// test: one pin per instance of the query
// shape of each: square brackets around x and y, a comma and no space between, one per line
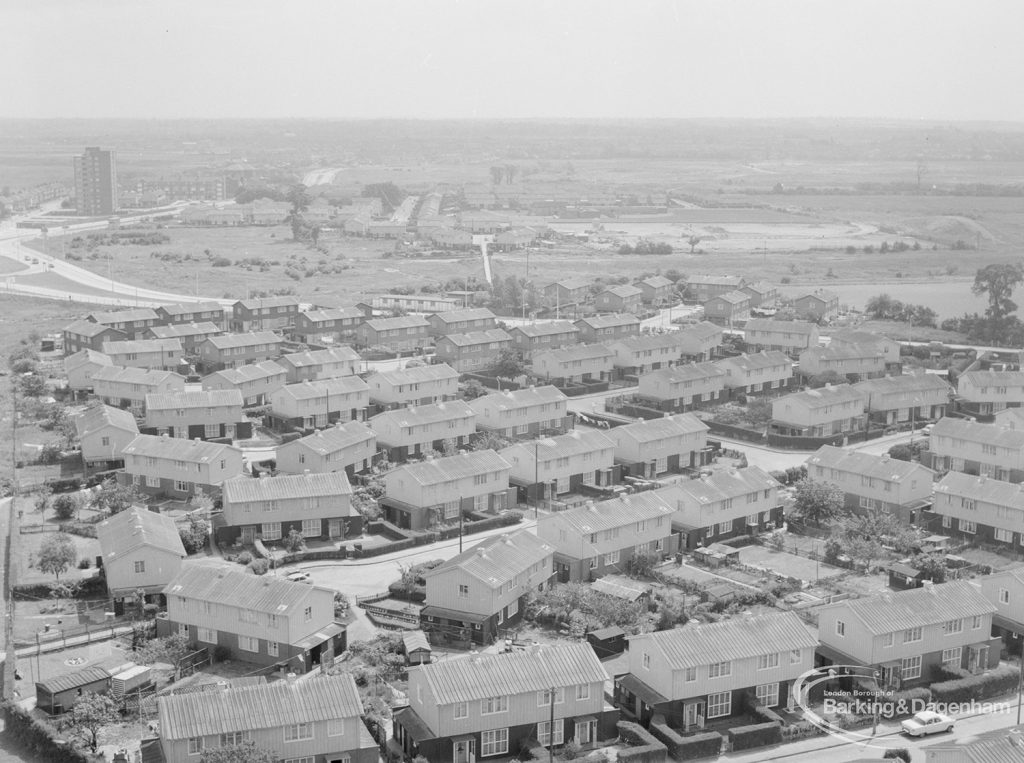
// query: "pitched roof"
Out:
[184,329]
[100,416]
[88,328]
[133,375]
[573,352]
[686,372]
[720,485]
[570,284]
[471,338]
[520,398]
[845,352]
[982,488]
[780,327]
[547,328]
[261,706]
[333,314]
[238,588]
[186,308]
[134,528]
[701,331]
[823,396]
[658,429]
[418,374]
[213,398]
[425,414]
[735,639]
[761,287]
[248,339]
[250,372]
[640,342]
[853,336]
[865,464]
[919,607]
[334,438]
[469,314]
[401,322]
[255,304]
[286,486]
[67,681]
[440,470]
[626,509]
[715,280]
[822,295]
[124,316]
[174,448]
[624,291]
[141,345]
[343,354]
[656,282]
[534,669]
[308,390]
[752,361]
[82,357]
[732,297]
[964,429]
[993,378]
[498,558]
[612,320]
[907,383]
[571,443]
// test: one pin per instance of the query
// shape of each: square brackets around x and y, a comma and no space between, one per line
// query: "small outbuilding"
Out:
[417,648]
[607,642]
[56,695]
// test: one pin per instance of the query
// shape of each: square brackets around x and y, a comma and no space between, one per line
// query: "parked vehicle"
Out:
[925,723]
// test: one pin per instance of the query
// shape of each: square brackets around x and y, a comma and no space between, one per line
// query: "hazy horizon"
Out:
[916,60]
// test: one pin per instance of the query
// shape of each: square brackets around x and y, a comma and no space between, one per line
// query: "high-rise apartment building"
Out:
[96,182]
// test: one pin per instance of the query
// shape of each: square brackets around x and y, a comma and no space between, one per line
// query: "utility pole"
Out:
[460,524]
[551,728]
[536,478]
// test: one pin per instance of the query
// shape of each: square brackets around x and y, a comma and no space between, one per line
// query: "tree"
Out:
[90,713]
[825,377]
[57,554]
[508,364]
[66,506]
[490,441]
[245,752]
[497,173]
[113,498]
[817,502]
[194,537]
[998,282]
[866,537]
[299,200]
[295,543]
[32,385]
[693,241]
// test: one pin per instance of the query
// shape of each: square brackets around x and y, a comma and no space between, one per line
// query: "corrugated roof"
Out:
[659,429]
[571,283]
[853,336]
[982,488]
[213,398]
[334,438]
[735,639]
[469,314]
[67,681]
[702,331]
[909,383]
[612,320]
[858,462]
[687,372]
[919,607]
[224,341]
[822,295]
[286,486]
[715,280]
[673,340]
[720,485]
[84,357]
[617,512]
[184,308]
[499,558]
[753,361]
[253,304]
[124,316]
[184,329]
[569,444]
[439,470]
[135,527]
[732,297]
[780,327]
[333,314]
[174,448]
[519,398]
[263,706]
[344,354]
[87,328]
[142,345]
[619,587]
[656,282]
[401,322]
[624,291]
[236,588]
[419,374]
[251,372]
[425,414]
[471,338]
[993,378]
[962,429]
[845,352]
[415,640]
[823,396]
[760,287]
[100,416]
[133,375]
[574,352]
[308,390]
[478,677]
[547,328]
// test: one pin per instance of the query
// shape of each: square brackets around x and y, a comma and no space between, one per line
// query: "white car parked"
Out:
[927,722]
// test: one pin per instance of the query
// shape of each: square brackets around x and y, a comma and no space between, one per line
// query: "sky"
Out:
[906,59]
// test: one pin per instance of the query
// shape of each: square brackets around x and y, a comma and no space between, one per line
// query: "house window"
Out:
[181,486]
[544,697]
[612,557]
[544,732]
[461,710]
[249,644]
[493,742]
[719,670]
[311,528]
[272,648]
[152,481]
[206,635]
[493,705]
[307,615]
[976,622]
[840,628]
[450,510]
[463,591]
[911,634]
[719,704]
[951,657]
[183,629]
[271,530]
[888,639]
[211,430]
[691,674]
[967,526]
[724,528]
[513,608]
[910,668]
[298,731]
[105,442]
[140,567]
[647,661]
[232,738]
[195,746]
[583,692]
[336,727]
[947,521]
[766,661]
[952,626]
[767,694]
[1004,536]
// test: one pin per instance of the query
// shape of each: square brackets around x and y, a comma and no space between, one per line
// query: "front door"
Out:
[586,732]
[692,714]
[464,751]
[334,528]
[249,534]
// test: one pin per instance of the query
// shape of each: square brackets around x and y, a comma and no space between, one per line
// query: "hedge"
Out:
[643,747]
[91,588]
[705,745]
[1001,680]
[755,735]
[38,738]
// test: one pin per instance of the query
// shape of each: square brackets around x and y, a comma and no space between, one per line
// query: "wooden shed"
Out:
[607,642]
[56,695]
[417,648]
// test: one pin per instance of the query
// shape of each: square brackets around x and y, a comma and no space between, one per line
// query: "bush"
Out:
[84,563]
[38,738]
[755,735]
[259,566]
[894,753]
[706,745]
[221,262]
[643,746]
[1001,680]
[65,506]
[571,750]
[244,558]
